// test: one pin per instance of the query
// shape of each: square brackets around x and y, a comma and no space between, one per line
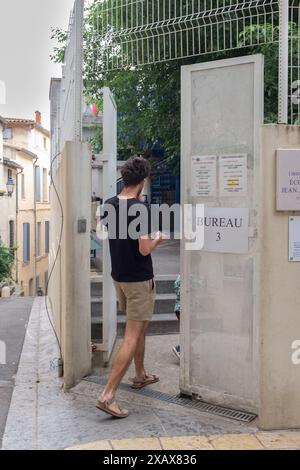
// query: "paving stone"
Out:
[279,439]
[235,442]
[99,445]
[136,444]
[59,420]
[185,443]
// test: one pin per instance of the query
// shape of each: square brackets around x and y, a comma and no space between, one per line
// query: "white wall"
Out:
[69,290]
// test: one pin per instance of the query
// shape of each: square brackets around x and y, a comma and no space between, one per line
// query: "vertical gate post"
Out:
[283,65]
[79,20]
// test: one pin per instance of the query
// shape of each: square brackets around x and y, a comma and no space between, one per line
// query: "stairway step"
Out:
[164,304]
[164,284]
[166,323]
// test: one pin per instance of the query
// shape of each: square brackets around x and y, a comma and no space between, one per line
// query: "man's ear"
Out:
[141,187]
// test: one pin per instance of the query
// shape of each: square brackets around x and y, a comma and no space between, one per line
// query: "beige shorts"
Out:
[136,299]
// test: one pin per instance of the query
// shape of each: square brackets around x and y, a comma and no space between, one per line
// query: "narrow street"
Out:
[14,315]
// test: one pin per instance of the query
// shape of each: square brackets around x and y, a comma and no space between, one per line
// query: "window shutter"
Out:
[26,243]
[37,183]
[47,235]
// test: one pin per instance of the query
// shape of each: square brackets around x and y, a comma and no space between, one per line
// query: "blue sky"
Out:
[25,66]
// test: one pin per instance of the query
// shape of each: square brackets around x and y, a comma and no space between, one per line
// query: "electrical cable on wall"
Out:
[60,359]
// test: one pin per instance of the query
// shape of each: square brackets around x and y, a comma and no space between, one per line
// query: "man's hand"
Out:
[160,237]
[147,245]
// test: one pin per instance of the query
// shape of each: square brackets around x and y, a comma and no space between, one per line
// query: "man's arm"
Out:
[147,245]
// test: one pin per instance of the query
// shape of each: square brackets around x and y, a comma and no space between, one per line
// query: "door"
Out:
[222,112]
[109,184]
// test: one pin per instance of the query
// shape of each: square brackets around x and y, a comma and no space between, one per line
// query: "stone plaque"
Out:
[288,180]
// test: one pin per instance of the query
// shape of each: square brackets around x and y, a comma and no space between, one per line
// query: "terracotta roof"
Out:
[18,122]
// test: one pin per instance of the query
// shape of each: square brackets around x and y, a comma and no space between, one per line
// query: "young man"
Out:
[132,272]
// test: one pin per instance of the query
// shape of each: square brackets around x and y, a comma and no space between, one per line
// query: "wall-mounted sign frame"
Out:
[288,180]
[294,239]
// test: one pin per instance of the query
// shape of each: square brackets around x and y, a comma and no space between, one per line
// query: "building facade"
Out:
[8,176]
[26,142]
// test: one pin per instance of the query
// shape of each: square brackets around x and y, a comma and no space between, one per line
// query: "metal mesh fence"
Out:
[122,34]
[129,33]
[294,63]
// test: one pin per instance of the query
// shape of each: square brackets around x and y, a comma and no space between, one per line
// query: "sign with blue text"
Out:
[288,180]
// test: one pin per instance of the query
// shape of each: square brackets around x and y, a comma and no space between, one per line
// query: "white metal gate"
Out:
[220,284]
[109,159]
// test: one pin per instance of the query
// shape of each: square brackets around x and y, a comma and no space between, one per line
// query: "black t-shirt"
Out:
[126,220]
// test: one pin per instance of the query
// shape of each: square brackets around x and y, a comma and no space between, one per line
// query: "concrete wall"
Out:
[69,289]
[280,296]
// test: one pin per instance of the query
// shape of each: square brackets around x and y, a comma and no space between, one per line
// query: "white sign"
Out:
[233,174]
[204,175]
[288,180]
[226,230]
[294,239]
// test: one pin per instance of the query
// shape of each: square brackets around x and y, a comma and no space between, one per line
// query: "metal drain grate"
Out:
[237,415]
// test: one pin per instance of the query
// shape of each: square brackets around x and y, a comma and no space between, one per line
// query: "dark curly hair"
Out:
[135,170]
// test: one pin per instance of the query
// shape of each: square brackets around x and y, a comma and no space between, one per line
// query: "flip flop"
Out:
[105,406]
[140,382]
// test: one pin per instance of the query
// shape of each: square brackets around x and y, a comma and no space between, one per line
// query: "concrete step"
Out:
[164,304]
[164,284]
[161,324]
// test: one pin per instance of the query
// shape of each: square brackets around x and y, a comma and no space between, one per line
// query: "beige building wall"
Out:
[30,146]
[280,295]
[1,154]
[7,204]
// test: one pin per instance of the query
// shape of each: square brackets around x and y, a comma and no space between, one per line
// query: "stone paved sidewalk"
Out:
[42,416]
[14,315]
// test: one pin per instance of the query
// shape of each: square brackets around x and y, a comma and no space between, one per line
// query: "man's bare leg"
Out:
[133,332]
[139,356]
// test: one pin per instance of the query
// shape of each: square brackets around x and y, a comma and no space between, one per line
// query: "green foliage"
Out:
[60,36]
[148,96]
[7,256]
